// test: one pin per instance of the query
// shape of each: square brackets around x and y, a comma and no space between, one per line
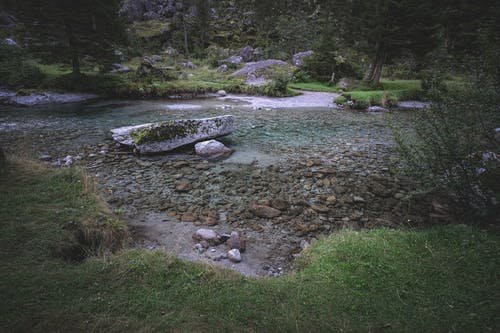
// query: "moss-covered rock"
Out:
[168,135]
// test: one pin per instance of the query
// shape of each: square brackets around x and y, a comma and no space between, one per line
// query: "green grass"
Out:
[401,85]
[194,82]
[313,86]
[387,93]
[442,279]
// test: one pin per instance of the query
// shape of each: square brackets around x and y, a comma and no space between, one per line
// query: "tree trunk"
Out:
[186,45]
[375,69]
[75,61]
[378,67]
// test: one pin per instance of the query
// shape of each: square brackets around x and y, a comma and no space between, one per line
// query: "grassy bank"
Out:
[175,81]
[440,279]
[386,94]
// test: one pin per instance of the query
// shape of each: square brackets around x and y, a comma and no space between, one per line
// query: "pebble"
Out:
[45,158]
[320,208]
[331,199]
[183,186]
[234,255]
[68,160]
[264,211]
[358,199]
[208,235]
[180,164]
[236,242]
[199,247]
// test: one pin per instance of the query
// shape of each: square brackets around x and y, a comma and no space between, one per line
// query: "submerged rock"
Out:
[168,135]
[207,235]
[235,241]
[264,211]
[377,109]
[211,148]
[46,98]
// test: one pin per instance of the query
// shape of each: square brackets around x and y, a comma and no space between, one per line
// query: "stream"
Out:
[325,168]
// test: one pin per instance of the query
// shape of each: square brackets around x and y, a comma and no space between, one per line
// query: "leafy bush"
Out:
[454,147]
[14,71]
[279,84]
[340,100]
[321,67]
[302,76]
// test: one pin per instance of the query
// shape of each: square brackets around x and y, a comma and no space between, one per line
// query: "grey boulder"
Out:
[211,148]
[298,58]
[168,135]
[234,255]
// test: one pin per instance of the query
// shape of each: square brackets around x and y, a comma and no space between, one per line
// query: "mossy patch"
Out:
[152,28]
[166,131]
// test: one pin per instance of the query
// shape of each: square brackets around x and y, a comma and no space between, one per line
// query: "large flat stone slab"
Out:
[168,135]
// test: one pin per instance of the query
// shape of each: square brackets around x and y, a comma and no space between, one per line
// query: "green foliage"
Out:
[454,147]
[331,60]
[341,100]
[15,70]
[62,30]
[294,34]
[302,76]
[388,93]
[92,82]
[281,81]
[278,87]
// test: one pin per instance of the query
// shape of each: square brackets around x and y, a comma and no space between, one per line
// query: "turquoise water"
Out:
[269,131]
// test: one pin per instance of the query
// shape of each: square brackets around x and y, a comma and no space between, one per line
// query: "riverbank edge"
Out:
[356,281]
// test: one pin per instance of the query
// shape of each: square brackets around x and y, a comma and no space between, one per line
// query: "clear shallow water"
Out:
[272,131]
[355,146]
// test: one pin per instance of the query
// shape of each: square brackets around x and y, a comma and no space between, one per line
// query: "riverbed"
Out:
[325,168]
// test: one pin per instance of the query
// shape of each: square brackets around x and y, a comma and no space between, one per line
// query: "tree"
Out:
[385,29]
[72,28]
[294,33]
[471,32]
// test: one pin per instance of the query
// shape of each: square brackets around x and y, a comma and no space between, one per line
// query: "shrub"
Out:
[321,66]
[340,100]
[302,76]
[14,71]
[279,85]
[453,148]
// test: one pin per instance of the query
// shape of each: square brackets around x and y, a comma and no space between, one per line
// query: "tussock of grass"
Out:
[435,280]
